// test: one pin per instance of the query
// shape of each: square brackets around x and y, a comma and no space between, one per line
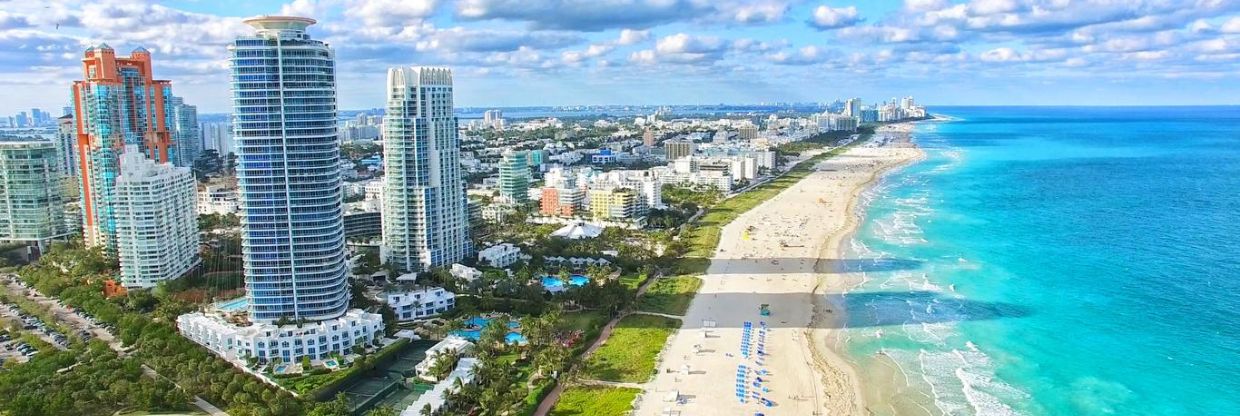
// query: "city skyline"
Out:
[674,52]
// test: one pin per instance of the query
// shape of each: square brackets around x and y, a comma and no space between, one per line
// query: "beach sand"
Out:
[784,253]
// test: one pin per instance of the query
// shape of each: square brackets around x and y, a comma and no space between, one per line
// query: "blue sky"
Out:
[549,52]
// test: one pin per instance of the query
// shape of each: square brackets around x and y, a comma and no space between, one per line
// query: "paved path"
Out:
[554,396]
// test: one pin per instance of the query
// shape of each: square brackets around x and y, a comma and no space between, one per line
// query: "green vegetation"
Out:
[680,195]
[670,295]
[209,222]
[100,383]
[595,401]
[629,354]
[144,324]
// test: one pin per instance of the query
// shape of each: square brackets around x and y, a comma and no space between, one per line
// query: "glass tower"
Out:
[288,172]
[117,103]
[425,212]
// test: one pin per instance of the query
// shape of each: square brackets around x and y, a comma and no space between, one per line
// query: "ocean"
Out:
[1055,261]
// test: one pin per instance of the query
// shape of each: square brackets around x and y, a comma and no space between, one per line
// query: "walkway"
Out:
[548,402]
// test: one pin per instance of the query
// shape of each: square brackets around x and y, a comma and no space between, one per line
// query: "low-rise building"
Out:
[217,199]
[237,340]
[500,255]
[449,345]
[411,303]
[436,398]
[466,273]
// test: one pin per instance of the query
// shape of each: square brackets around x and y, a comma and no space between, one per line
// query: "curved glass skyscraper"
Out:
[288,172]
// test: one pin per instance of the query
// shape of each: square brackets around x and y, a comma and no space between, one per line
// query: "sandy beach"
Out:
[782,253]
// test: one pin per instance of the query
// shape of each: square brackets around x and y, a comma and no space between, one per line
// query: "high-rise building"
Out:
[677,149]
[187,141]
[156,220]
[66,151]
[31,211]
[514,177]
[288,172]
[493,119]
[747,132]
[852,107]
[292,228]
[648,138]
[218,136]
[425,211]
[66,138]
[117,103]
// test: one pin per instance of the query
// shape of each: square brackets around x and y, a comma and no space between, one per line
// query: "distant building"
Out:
[677,149]
[564,202]
[217,199]
[747,132]
[466,273]
[616,204]
[514,177]
[648,138]
[156,223]
[32,203]
[186,138]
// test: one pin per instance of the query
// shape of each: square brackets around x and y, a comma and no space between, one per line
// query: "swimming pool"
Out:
[554,283]
[233,305]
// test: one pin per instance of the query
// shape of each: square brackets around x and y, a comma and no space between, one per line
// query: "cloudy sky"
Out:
[548,52]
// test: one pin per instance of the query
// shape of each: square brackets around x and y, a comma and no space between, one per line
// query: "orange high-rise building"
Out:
[117,103]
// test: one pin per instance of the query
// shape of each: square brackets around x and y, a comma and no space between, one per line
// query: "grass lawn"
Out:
[582,320]
[670,295]
[595,401]
[628,356]
[632,281]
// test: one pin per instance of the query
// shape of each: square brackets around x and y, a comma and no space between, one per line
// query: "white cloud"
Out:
[1231,26]
[630,36]
[826,17]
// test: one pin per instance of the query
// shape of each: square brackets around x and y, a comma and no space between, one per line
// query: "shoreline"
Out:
[830,315]
[779,253]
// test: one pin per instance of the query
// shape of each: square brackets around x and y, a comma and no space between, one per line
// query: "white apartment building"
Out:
[156,223]
[418,302]
[500,255]
[316,339]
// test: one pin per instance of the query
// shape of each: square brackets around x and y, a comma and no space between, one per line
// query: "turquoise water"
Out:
[554,283]
[233,305]
[1056,261]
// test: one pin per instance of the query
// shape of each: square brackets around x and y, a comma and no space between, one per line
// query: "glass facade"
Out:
[31,210]
[284,129]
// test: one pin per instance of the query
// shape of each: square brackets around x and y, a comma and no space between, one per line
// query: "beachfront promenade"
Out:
[775,254]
